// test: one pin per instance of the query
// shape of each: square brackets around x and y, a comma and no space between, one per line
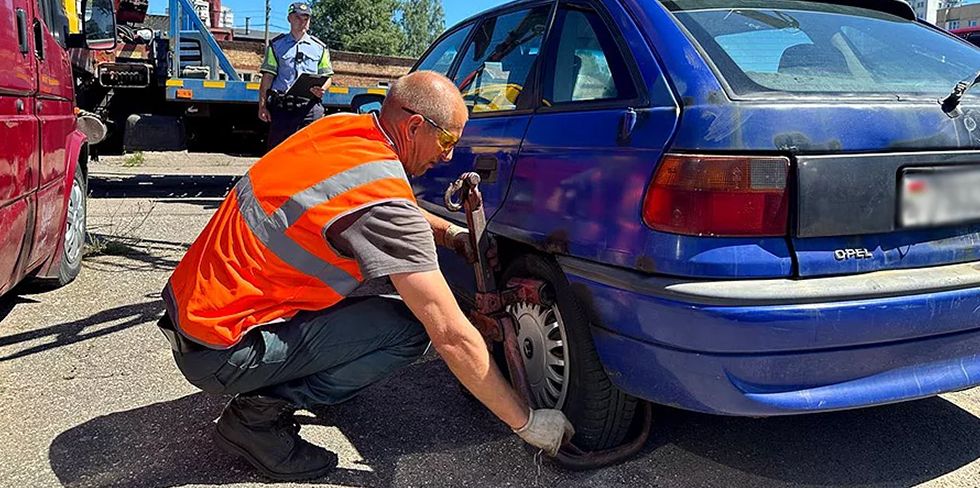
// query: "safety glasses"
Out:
[447,140]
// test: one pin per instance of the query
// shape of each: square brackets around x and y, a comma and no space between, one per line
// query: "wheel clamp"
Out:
[496,325]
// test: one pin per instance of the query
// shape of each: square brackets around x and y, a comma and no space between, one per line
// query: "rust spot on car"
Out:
[557,242]
[646,264]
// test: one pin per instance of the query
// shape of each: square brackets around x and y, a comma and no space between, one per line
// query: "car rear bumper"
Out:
[760,348]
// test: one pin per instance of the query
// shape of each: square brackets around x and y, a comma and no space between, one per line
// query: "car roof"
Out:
[894,7]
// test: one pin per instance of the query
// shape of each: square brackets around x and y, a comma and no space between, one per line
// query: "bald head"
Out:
[427,132]
[428,93]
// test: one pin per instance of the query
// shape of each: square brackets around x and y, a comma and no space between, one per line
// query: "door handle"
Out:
[486,166]
[38,40]
[626,125]
[22,30]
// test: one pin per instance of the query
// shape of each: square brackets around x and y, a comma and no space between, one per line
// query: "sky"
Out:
[456,10]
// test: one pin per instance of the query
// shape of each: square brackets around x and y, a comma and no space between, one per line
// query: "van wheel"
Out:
[71,259]
[74,237]
[561,362]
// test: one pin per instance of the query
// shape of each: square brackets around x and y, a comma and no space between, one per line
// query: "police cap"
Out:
[301,8]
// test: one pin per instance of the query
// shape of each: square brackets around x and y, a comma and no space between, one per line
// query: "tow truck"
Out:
[177,89]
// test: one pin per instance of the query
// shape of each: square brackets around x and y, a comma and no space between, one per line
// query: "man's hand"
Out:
[458,239]
[546,429]
[317,91]
[264,115]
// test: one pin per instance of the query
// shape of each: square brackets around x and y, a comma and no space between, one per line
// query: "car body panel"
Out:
[19,156]
[780,358]
[764,385]
[57,127]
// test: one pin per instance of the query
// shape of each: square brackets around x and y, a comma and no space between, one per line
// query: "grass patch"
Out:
[107,246]
[120,235]
[134,160]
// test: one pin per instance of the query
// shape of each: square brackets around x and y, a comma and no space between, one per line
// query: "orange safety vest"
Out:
[264,255]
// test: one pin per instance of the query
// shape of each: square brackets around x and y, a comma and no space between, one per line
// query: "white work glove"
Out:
[545,429]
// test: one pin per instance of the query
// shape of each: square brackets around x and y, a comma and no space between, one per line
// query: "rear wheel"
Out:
[561,362]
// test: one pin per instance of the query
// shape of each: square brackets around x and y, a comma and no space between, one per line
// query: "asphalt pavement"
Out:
[91,396]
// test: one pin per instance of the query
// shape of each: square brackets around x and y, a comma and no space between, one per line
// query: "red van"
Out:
[42,154]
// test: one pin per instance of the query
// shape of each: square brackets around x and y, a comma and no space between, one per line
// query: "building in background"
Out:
[223,18]
[926,9]
[203,10]
[959,17]
[931,10]
[226,18]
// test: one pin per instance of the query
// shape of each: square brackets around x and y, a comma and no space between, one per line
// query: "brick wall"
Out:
[350,69]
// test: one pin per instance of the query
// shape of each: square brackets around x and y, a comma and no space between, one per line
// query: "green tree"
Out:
[366,26]
[421,21]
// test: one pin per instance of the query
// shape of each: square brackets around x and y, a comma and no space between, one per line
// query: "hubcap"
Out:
[541,336]
[75,225]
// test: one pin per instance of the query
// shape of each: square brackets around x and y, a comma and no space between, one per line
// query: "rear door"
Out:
[593,141]
[496,75]
[19,151]
[55,110]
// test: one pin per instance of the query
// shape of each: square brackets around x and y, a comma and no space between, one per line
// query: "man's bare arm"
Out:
[439,227]
[460,344]
[264,87]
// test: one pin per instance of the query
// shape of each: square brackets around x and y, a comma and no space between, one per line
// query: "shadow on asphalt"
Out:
[140,254]
[169,444]
[204,203]
[896,445]
[10,300]
[160,186]
[67,333]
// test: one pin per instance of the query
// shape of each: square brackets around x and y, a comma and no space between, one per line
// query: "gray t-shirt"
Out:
[385,239]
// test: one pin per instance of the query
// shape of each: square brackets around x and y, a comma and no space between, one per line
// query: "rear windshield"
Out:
[809,47]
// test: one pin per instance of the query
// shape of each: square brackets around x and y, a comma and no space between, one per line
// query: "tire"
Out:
[601,413]
[73,245]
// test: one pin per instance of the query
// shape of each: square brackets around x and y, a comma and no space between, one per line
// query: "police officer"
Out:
[288,56]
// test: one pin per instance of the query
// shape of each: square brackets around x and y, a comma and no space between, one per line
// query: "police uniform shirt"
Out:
[287,58]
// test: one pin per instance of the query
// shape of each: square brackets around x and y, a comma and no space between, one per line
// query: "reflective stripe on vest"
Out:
[329,188]
[271,229]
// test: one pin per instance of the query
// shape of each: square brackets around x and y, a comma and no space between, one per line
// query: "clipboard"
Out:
[301,88]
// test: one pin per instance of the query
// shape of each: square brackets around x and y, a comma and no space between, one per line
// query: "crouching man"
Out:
[278,300]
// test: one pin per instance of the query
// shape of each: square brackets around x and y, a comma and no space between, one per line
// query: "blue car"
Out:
[741,207]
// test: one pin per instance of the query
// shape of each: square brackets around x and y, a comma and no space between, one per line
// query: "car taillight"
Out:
[719,196]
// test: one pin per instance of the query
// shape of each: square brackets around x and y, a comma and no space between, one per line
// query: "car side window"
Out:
[500,59]
[441,57]
[588,65]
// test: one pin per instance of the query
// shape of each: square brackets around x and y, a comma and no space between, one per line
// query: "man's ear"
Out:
[414,125]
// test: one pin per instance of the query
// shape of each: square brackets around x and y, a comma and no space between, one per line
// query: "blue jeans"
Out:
[316,358]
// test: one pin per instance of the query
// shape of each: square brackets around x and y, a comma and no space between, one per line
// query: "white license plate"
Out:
[936,196]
